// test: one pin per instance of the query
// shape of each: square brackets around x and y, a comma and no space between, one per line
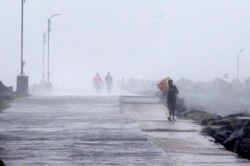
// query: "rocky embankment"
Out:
[231,131]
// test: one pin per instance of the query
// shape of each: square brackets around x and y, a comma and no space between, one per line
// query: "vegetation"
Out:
[198,116]
[4,104]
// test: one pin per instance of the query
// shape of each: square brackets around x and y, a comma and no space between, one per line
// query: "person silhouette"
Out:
[97,83]
[171,99]
[109,82]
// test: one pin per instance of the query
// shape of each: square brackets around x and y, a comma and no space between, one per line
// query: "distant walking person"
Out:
[109,82]
[171,99]
[97,83]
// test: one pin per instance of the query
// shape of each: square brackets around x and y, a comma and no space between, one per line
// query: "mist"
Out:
[124,82]
[144,39]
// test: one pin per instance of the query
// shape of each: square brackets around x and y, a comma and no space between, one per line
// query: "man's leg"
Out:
[169,111]
[169,118]
[173,114]
[173,111]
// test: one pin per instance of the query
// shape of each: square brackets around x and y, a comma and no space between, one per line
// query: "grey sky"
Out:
[194,39]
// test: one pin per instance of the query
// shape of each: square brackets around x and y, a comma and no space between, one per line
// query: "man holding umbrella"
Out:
[170,92]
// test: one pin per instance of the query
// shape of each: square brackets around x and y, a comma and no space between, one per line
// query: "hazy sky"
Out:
[194,39]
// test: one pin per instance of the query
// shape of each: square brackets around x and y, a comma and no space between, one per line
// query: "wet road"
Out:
[181,140]
[69,131]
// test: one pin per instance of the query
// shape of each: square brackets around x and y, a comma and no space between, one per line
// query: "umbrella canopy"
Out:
[163,85]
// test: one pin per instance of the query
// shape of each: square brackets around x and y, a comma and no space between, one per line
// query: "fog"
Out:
[150,39]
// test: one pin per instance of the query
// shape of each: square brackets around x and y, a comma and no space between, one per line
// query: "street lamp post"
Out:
[22,80]
[22,62]
[49,30]
[238,63]
[44,41]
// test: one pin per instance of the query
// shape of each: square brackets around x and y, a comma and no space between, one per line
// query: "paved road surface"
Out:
[72,131]
[67,131]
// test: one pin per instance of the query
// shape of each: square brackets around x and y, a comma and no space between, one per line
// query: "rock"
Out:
[242,147]
[245,132]
[242,119]
[222,134]
[247,124]
[229,143]
[206,121]
[222,122]
[242,132]
[217,117]
[1,163]
[237,127]
[208,131]
[235,115]
[214,117]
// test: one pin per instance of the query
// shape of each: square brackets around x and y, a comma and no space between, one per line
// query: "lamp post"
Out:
[22,80]
[22,62]
[49,30]
[44,42]
[238,63]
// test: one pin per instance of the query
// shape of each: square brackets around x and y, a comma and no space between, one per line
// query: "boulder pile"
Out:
[232,131]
